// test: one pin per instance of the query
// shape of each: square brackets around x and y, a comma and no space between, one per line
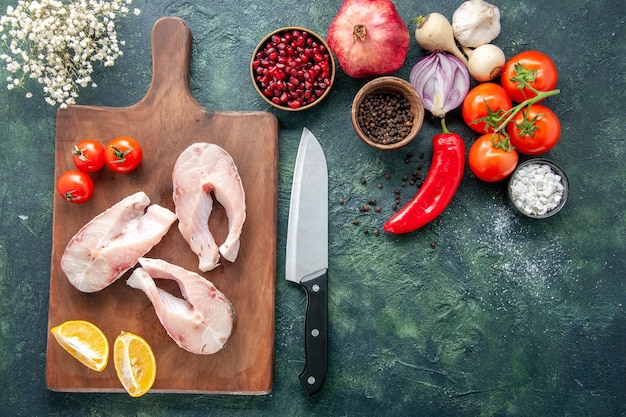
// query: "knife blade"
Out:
[307,254]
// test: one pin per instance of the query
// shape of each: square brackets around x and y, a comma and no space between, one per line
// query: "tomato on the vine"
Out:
[490,159]
[486,101]
[88,155]
[528,68]
[123,154]
[75,186]
[534,130]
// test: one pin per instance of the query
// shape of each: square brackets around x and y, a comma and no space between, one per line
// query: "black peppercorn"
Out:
[385,118]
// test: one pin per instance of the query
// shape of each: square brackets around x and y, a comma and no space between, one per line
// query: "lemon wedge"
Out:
[84,341]
[135,363]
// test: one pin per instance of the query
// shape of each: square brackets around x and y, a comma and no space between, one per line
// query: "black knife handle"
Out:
[315,332]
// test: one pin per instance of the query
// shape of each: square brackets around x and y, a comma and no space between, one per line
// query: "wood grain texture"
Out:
[165,122]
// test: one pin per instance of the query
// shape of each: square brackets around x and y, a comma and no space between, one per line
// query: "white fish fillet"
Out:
[112,242]
[200,323]
[200,170]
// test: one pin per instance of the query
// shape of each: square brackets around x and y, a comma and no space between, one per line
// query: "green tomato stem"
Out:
[510,114]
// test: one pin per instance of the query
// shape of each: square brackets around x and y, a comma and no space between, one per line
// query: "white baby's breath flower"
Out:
[55,42]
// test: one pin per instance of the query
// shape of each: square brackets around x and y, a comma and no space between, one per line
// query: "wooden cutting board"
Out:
[165,122]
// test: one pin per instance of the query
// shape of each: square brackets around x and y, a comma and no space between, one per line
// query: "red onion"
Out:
[442,80]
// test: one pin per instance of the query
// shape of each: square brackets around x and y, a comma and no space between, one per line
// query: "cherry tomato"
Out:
[123,154]
[489,162]
[75,186]
[534,130]
[88,155]
[534,68]
[483,101]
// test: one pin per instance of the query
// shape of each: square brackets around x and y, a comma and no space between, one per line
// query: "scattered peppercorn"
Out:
[376,232]
[380,186]
[363,181]
[342,201]
[364,207]
[433,244]
[355,222]
[387,176]
[366,230]
[385,118]
[378,209]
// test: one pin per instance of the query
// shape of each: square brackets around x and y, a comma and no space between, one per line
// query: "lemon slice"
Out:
[134,363]
[84,341]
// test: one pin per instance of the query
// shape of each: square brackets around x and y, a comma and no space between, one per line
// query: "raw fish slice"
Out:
[200,170]
[112,242]
[201,322]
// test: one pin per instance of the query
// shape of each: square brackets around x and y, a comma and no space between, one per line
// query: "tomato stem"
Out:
[510,114]
[119,155]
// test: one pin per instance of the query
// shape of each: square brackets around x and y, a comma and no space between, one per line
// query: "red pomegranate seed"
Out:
[293,69]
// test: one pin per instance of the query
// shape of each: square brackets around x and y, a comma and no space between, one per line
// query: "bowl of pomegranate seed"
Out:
[387,113]
[292,68]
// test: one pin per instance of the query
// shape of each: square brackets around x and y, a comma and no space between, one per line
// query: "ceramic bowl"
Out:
[280,76]
[388,85]
[519,172]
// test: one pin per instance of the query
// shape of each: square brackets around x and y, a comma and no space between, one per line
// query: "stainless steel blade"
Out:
[307,230]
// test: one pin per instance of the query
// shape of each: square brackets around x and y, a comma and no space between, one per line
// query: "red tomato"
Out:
[123,154]
[485,101]
[491,163]
[532,68]
[75,186]
[88,155]
[534,130]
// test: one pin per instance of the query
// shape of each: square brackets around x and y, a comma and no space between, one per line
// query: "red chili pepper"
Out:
[442,181]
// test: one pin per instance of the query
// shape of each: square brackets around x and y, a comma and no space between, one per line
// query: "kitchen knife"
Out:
[307,253]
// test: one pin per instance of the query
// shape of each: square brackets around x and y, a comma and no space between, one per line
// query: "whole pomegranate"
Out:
[369,38]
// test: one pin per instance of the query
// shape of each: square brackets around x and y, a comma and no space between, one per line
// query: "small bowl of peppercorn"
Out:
[387,113]
[292,68]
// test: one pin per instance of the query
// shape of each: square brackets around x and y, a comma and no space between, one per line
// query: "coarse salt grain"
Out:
[536,189]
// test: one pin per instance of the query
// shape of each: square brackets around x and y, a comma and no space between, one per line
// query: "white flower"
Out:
[55,43]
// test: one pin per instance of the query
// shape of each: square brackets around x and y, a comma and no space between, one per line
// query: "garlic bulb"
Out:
[476,23]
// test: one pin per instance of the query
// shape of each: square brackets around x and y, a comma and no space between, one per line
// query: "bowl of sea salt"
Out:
[538,188]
